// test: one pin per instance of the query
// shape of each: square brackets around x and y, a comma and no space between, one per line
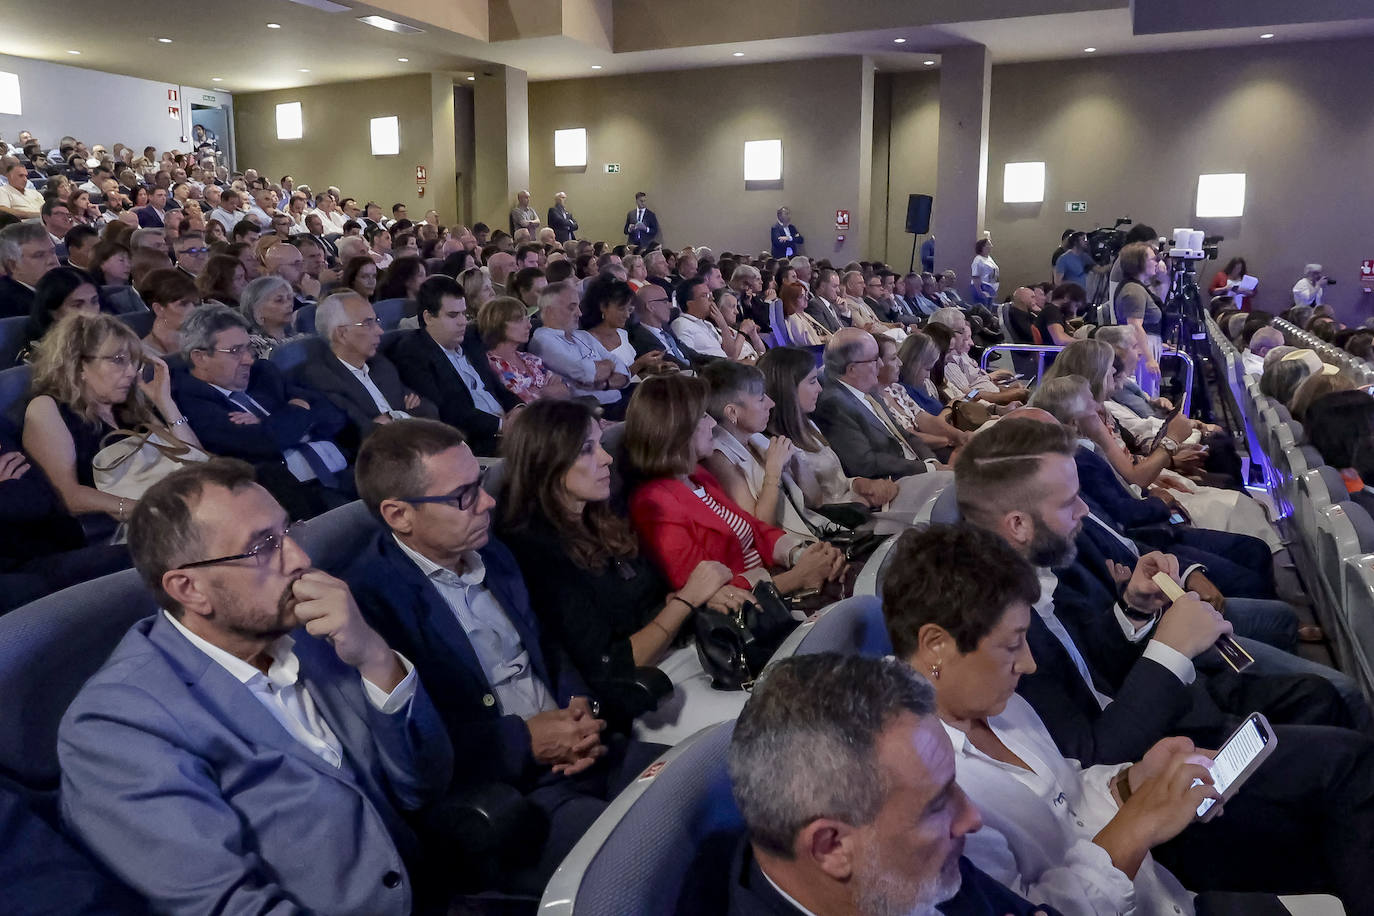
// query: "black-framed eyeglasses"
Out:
[463,498]
[268,546]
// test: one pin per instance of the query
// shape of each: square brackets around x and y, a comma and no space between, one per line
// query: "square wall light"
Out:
[762,160]
[10,102]
[1023,183]
[289,121]
[570,147]
[386,136]
[1221,195]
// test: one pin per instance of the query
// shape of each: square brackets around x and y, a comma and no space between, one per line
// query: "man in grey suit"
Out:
[851,414]
[822,304]
[249,748]
[358,380]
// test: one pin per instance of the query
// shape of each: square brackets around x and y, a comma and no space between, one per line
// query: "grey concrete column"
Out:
[501,119]
[962,168]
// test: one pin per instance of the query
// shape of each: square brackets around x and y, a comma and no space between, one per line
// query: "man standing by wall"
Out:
[641,224]
[787,241]
[522,215]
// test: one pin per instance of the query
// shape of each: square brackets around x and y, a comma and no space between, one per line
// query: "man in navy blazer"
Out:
[152,215]
[641,225]
[244,408]
[845,778]
[453,602]
[446,365]
[252,746]
[785,238]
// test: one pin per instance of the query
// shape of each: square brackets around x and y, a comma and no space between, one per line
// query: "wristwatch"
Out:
[1170,446]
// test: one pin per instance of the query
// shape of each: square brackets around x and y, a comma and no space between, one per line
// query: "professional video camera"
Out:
[1105,244]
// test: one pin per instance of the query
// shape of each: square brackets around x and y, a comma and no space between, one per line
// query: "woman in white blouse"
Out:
[984,275]
[606,308]
[958,607]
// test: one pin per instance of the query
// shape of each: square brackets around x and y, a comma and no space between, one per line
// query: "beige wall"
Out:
[336,146]
[913,136]
[679,136]
[1111,133]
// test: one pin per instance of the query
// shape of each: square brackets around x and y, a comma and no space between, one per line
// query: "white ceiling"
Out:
[335,47]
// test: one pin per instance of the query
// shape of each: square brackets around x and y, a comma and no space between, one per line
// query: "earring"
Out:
[934,672]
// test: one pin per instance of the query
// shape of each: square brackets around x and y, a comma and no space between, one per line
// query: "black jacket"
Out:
[426,370]
[327,375]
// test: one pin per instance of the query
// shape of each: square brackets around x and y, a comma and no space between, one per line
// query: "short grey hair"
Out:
[800,260]
[806,744]
[200,327]
[838,355]
[139,236]
[17,235]
[949,317]
[330,314]
[1120,336]
[351,246]
[1065,398]
[742,273]
[256,291]
[549,295]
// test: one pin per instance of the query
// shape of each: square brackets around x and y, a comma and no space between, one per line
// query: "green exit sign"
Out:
[1076,206]
[612,168]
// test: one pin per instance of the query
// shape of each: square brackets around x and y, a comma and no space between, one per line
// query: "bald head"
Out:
[501,265]
[1264,340]
[1023,298]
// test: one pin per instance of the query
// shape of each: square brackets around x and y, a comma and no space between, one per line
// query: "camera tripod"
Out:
[1184,329]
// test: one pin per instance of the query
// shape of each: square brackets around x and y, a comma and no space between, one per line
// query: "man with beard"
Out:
[1304,820]
[845,778]
[252,745]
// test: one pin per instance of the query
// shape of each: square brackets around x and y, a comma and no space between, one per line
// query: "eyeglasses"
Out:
[463,498]
[373,322]
[119,360]
[259,553]
[236,351]
[194,250]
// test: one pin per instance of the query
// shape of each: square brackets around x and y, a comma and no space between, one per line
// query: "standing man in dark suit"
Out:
[245,409]
[453,602]
[352,374]
[448,367]
[641,224]
[255,730]
[787,241]
[563,223]
[26,254]
[859,740]
[854,419]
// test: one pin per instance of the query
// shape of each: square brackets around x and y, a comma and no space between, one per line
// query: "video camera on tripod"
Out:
[1104,243]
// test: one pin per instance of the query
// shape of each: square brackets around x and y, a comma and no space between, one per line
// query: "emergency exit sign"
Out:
[1076,206]
[612,168]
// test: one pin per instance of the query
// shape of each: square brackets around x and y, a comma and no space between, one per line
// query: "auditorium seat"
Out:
[432,266]
[14,396]
[663,846]
[140,322]
[870,578]
[304,319]
[122,299]
[13,337]
[1344,531]
[782,334]
[390,312]
[854,625]
[294,353]
[333,539]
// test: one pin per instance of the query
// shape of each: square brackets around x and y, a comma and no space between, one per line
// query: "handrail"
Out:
[1041,349]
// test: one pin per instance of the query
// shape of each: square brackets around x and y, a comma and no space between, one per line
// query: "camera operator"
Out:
[1074,265]
[1308,290]
[1136,304]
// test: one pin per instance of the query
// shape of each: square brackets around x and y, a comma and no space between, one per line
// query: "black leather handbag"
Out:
[734,647]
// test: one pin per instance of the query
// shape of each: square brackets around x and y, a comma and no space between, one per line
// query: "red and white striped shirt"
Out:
[737,524]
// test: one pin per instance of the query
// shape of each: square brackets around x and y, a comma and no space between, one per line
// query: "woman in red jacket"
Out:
[680,511]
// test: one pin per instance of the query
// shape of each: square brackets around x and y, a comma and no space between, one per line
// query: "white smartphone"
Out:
[1239,757]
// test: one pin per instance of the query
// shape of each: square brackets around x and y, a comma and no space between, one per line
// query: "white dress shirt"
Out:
[283,695]
[1253,365]
[482,399]
[698,334]
[962,375]
[1038,825]
[226,218]
[1305,292]
[575,359]
[495,640]
[28,199]
[364,377]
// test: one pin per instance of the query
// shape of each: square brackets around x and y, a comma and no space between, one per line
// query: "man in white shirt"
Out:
[1309,289]
[964,376]
[695,324]
[18,197]
[589,369]
[264,207]
[222,734]
[227,214]
[1261,342]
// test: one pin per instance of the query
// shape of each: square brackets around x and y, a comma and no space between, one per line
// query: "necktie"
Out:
[878,408]
[312,457]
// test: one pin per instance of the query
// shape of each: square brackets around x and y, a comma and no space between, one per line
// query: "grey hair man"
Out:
[26,254]
[845,778]
[802,265]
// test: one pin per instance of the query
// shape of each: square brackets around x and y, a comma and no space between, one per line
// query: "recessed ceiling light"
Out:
[73,52]
[1267,35]
[216,79]
[1089,50]
[899,41]
[738,54]
[303,70]
[389,25]
[274,25]
[404,60]
[165,41]
[929,63]
[472,79]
